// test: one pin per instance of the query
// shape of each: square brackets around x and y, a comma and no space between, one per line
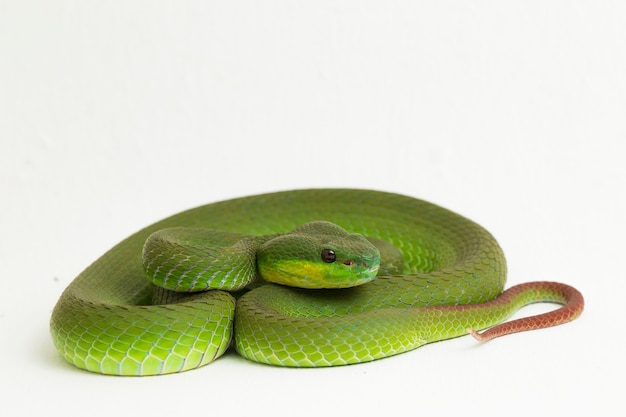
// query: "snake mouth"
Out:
[347,273]
[362,270]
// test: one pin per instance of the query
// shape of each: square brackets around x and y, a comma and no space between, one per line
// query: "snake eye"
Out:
[328,256]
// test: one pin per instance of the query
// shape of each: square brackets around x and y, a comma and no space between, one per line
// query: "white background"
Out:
[116,114]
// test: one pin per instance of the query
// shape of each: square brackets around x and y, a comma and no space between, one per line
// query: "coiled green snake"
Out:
[409,273]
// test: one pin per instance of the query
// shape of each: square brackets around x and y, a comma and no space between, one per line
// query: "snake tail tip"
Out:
[476,335]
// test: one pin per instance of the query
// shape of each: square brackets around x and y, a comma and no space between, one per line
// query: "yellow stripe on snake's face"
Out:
[318,255]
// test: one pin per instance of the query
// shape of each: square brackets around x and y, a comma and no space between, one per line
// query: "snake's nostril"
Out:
[352,262]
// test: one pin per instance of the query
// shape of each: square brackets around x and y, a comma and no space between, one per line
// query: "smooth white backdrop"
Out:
[116,114]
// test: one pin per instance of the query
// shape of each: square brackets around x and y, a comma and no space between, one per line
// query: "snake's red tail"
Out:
[571,299]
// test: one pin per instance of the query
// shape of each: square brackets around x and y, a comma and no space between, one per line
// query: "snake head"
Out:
[318,255]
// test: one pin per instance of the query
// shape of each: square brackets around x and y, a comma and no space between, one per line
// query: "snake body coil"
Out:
[451,282]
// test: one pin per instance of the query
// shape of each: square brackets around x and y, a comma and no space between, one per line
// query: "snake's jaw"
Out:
[345,274]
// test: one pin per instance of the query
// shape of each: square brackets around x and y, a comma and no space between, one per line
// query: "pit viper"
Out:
[382,274]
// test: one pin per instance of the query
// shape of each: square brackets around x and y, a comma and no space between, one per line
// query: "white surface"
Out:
[116,114]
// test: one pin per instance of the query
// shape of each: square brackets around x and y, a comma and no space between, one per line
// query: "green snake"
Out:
[382,274]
